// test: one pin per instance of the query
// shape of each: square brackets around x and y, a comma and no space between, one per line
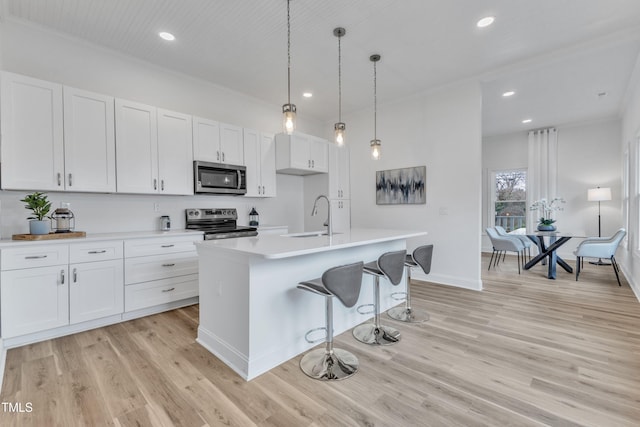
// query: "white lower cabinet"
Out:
[341,215]
[34,299]
[96,290]
[159,271]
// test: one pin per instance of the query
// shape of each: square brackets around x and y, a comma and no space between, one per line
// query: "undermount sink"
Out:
[309,234]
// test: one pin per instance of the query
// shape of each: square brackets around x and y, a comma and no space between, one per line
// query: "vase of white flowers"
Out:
[545,223]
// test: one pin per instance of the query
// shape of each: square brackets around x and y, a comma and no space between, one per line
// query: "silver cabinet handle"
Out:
[309,164]
[70,180]
[162,184]
[223,156]
[35,256]
[169,290]
[239,179]
[59,179]
[75,275]
[167,246]
[155,184]
[263,189]
[62,277]
[218,155]
[169,265]
[258,189]
[97,252]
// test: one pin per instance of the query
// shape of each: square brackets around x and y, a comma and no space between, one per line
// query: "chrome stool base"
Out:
[408,315]
[329,366]
[369,333]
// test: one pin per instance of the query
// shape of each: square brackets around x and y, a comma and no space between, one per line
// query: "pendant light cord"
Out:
[375,102]
[288,53]
[339,81]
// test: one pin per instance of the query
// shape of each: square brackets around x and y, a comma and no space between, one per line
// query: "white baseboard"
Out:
[443,279]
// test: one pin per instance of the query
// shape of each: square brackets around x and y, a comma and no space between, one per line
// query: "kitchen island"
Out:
[253,317]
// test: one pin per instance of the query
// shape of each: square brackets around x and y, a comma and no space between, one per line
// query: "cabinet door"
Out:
[96,290]
[268,165]
[318,153]
[338,172]
[136,148]
[89,141]
[206,140]
[32,140]
[33,300]
[300,154]
[341,215]
[252,162]
[231,147]
[175,155]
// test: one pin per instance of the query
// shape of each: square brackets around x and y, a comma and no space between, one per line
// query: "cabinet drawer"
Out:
[95,251]
[148,294]
[158,246]
[30,257]
[143,269]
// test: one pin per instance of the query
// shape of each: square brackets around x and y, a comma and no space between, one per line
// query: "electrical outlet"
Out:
[156,207]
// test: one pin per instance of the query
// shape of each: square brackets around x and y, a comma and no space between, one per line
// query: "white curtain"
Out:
[542,170]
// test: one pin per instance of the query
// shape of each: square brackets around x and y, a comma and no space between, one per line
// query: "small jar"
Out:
[165,223]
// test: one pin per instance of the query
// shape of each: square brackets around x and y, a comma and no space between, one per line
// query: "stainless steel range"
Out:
[217,223]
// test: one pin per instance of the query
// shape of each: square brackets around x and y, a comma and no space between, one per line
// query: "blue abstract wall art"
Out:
[401,186]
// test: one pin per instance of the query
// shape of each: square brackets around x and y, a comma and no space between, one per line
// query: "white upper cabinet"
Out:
[136,147]
[300,154]
[175,155]
[259,156]
[206,140]
[217,142]
[89,141]
[338,172]
[231,145]
[32,134]
[154,150]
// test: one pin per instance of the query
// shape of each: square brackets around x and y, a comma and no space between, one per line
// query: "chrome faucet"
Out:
[314,212]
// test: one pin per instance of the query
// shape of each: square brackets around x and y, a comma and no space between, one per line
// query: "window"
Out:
[509,195]
[625,195]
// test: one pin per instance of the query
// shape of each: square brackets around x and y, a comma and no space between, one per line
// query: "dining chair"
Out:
[503,244]
[600,247]
[524,239]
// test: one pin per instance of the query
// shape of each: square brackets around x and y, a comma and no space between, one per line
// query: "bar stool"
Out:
[331,363]
[391,266]
[421,256]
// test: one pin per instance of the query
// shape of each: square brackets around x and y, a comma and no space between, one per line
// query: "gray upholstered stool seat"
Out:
[421,256]
[389,265]
[343,282]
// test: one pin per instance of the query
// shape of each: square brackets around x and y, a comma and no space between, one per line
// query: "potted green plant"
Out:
[547,207]
[38,204]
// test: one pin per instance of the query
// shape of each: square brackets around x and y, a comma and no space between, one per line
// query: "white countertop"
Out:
[285,246]
[93,237]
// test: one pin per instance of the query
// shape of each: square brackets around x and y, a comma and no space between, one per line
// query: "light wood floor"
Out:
[527,351]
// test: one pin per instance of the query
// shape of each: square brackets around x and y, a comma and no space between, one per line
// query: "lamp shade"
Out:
[598,194]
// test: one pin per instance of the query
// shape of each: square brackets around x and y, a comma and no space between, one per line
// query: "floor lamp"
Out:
[599,195]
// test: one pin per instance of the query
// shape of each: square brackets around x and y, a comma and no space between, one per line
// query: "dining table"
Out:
[548,252]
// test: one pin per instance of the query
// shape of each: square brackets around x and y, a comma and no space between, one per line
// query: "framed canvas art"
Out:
[401,186]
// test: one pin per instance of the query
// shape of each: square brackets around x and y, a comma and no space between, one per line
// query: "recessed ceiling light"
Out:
[526,121]
[166,36]
[508,93]
[307,94]
[486,21]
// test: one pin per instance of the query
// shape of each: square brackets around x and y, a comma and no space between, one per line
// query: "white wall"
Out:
[588,156]
[49,56]
[442,131]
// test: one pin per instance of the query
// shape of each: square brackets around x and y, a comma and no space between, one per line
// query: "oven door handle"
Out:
[239,179]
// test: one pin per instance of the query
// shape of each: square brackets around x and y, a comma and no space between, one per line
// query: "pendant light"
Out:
[289,109]
[339,127]
[375,142]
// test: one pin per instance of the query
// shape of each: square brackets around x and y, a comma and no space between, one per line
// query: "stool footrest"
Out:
[360,307]
[317,340]
[399,296]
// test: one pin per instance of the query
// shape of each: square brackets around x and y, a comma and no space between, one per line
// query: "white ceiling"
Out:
[556,54]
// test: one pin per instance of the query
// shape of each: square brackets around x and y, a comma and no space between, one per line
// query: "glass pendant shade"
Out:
[339,133]
[289,118]
[376,147]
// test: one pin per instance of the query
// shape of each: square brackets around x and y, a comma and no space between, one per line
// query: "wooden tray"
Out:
[50,236]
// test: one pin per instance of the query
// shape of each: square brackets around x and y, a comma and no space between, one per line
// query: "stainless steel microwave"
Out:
[218,178]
